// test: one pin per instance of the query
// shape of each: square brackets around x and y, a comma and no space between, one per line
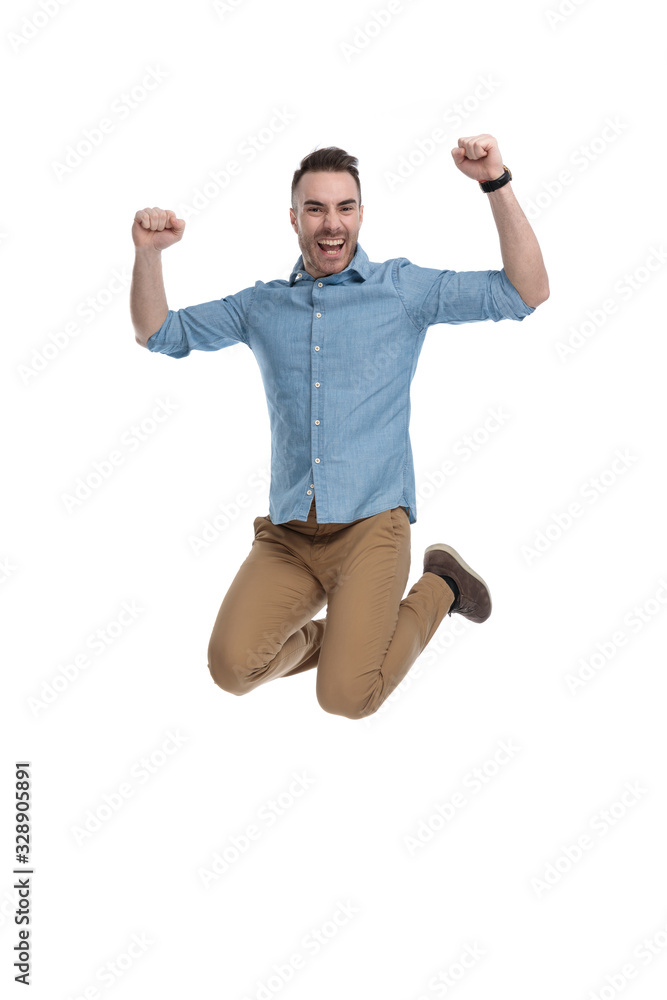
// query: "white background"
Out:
[474,887]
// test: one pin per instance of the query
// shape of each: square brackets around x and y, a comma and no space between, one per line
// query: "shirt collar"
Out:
[358,269]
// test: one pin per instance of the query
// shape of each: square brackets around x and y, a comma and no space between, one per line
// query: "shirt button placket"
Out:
[316,368]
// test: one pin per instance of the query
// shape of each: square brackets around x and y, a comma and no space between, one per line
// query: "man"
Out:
[337,345]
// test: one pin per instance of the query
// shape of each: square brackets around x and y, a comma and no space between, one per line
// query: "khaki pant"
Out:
[369,638]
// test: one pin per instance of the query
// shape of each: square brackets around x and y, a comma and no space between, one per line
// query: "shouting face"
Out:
[327,218]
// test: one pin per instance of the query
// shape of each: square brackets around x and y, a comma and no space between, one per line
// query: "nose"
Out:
[331,221]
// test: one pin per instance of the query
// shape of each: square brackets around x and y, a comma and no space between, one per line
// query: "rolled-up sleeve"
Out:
[208,326]
[431,296]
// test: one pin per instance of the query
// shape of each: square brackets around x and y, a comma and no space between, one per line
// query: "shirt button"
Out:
[309,492]
[317,459]
[319,284]
[298,275]
[312,486]
[318,315]
[317,348]
[317,421]
[317,385]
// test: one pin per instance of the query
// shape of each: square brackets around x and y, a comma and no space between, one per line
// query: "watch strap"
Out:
[506,176]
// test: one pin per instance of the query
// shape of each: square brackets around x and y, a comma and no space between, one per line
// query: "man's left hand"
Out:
[478,157]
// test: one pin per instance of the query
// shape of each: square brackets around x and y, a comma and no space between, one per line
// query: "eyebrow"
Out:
[348,201]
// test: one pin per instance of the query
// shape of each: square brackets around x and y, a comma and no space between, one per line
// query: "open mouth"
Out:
[331,248]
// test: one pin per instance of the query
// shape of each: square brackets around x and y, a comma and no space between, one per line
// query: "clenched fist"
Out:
[478,157]
[156,228]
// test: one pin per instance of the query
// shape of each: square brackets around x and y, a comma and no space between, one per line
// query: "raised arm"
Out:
[478,157]
[153,230]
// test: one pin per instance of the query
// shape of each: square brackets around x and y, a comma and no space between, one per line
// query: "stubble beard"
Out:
[312,257]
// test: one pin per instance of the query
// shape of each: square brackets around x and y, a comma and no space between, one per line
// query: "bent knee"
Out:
[230,671]
[340,702]
[224,677]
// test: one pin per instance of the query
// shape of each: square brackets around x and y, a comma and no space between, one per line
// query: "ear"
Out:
[292,216]
[361,215]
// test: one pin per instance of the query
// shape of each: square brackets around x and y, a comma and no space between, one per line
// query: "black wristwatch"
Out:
[487,186]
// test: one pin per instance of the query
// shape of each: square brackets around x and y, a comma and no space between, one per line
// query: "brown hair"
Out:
[332,159]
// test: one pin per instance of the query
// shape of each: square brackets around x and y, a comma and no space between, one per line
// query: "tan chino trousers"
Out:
[370,637]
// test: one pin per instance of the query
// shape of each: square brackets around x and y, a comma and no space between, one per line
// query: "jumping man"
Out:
[337,345]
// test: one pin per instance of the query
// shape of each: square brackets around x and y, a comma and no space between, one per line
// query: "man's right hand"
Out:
[156,228]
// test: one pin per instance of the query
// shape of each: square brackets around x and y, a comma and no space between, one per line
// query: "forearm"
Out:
[148,301]
[521,254]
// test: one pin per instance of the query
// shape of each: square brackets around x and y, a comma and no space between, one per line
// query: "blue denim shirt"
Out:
[337,355]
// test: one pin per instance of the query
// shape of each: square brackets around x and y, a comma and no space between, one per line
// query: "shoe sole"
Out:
[441,547]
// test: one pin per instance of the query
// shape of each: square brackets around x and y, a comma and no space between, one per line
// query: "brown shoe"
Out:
[474,599]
